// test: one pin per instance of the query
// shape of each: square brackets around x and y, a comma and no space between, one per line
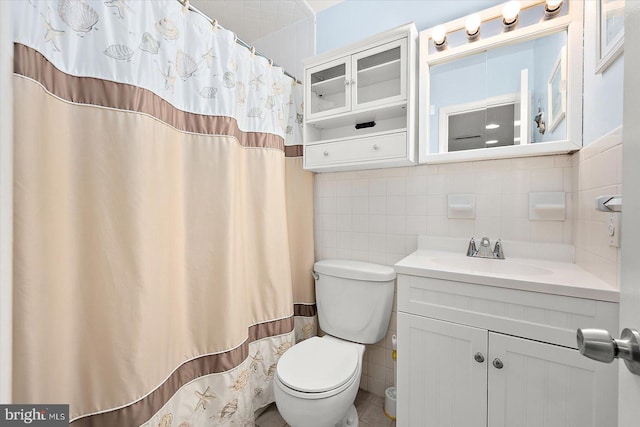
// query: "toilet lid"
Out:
[317,365]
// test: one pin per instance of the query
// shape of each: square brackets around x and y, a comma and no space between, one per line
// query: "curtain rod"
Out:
[214,22]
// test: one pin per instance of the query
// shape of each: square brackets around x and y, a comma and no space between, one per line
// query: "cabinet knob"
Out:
[478,357]
[497,363]
[375,146]
[347,82]
[326,153]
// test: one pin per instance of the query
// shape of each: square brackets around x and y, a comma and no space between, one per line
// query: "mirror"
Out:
[510,92]
[510,95]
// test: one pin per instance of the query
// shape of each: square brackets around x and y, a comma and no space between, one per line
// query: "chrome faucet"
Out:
[485,249]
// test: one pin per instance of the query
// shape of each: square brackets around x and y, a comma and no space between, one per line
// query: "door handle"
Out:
[598,344]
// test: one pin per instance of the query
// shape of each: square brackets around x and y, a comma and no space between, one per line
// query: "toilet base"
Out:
[351,419]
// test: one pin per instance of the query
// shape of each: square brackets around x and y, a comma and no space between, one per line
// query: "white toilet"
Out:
[317,380]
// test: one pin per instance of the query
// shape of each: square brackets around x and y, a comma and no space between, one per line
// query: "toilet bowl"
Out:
[317,380]
[316,385]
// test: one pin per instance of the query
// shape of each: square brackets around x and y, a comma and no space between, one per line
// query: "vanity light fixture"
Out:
[491,126]
[472,25]
[510,13]
[491,141]
[552,8]
[439,37]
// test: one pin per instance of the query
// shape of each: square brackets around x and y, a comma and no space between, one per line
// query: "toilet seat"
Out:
[318,365]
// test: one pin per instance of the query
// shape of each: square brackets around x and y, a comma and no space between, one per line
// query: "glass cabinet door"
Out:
[328,88]
[379,75]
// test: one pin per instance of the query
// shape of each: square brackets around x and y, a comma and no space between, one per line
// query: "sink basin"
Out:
[489,266]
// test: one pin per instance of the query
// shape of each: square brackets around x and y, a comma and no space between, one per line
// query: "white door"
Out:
[443,381]
[629,384]
[534,384]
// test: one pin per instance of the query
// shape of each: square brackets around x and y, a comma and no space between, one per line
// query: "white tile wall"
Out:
[289,46]
[376,216]
[598,171]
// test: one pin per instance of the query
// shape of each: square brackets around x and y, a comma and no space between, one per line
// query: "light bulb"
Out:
[553,4]
[439,35]
[510,12]
[552,8]
[492,126]
[472,24]
[493,141]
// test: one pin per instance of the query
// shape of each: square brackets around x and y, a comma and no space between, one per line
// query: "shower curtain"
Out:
[163,241]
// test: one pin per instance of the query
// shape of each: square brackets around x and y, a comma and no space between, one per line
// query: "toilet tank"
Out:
[354,299]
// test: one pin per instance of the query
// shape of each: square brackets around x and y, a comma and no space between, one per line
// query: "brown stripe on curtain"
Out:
[138,413]
[88,90]
[293,150]
[305,310]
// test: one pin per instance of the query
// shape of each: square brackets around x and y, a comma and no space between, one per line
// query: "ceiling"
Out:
[254,19]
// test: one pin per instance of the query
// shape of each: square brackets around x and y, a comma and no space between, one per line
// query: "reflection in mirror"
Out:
[500,97]
[613,22]
[493,126]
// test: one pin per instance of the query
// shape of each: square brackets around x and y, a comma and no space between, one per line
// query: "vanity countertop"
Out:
[529,273]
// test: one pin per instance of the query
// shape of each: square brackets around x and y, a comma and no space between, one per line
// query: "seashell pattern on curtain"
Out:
[155,45]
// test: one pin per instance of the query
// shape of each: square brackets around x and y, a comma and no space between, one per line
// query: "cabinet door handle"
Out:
[497,363]
[326,153]
[478,357]
[347,82]
[375,146]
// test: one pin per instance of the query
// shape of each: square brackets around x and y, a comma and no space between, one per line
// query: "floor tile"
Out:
[369,407]
[270,418]
[374,415]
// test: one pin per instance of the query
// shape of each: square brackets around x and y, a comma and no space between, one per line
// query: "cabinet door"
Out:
[440,384]
[327,88]
[544,385]
[379,75]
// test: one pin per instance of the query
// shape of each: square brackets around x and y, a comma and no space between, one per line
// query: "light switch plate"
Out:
[613,229]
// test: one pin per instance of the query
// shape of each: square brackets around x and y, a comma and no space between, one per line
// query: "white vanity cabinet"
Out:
[471,355]
[360,104]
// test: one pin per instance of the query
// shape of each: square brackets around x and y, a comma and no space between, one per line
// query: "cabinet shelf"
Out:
[379,73]
[356,137]
[372,114]
[328,87]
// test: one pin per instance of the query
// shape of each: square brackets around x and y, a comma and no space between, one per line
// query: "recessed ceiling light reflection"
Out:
[491,141]
[492,126]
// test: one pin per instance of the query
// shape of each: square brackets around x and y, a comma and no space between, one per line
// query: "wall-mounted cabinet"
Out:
[360,104]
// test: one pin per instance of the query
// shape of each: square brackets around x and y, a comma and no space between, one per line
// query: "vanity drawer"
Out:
[534,315]
[380,147]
